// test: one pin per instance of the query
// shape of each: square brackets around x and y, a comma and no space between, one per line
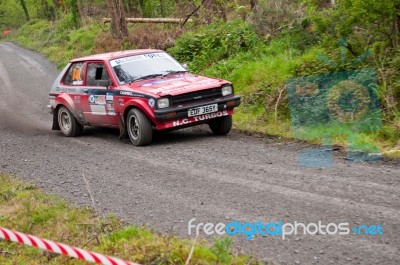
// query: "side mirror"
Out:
[185,66]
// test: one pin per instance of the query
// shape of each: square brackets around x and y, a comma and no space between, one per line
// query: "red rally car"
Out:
[138,91]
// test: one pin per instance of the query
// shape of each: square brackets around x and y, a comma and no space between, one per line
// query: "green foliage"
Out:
[390,134]
[46,10]
[221,250]
[258,76]
[215,42]
[66,23]
[23,5]
[164,8]
[364,21]
[34,33]
[74,12]
[11,13]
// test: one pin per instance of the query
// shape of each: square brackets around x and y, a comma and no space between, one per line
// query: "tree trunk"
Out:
[253,5]
[191,14]
[398,25]
[119,28]
[162,8]
[76,17]
[127,8]
[222,11]
[23,4]
[62,5]
[56,6]
[210,6]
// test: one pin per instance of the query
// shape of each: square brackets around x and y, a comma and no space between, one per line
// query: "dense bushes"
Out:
[216,42]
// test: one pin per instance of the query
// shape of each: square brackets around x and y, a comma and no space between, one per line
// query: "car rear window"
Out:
[74,75]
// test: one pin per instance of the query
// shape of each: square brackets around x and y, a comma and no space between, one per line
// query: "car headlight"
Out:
[163,103]
[226,91]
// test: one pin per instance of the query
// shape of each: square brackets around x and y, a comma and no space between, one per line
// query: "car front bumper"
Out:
[174,113]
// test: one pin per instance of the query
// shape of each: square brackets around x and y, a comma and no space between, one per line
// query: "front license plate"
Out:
[203,110]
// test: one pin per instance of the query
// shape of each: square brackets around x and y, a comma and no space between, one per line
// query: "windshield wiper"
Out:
[146,77]
[172,72]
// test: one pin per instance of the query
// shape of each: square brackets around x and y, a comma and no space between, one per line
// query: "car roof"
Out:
[114,55]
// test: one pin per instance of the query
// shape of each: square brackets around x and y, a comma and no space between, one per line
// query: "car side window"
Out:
[97,75]
[74,76]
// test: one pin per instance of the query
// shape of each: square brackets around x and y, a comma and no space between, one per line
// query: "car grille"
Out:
[196,96]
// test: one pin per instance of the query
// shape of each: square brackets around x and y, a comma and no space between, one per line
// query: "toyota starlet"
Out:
[138,91]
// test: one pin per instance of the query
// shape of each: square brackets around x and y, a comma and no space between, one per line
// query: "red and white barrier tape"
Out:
[59,248]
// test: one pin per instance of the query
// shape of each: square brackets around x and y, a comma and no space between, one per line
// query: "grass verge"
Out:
[26,209]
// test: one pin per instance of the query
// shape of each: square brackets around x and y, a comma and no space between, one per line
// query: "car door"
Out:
[98,99]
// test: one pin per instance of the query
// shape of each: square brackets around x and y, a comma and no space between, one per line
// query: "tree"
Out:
[73,7]
[368,21]
[23,4]
[162,8]
[253,4]
[48,10]
[119,28]
[273,16]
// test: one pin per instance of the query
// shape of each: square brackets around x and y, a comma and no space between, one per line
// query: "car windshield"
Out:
[144,66]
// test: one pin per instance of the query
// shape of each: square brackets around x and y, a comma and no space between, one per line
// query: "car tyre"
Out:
[68,124]
[221,126]
[139,128]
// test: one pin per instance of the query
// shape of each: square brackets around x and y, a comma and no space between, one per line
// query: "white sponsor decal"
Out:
[97,99]
[152,102]
[68,90]
[110,107]
[100,100]
[98,109]
[77,82]
[199,118]
[132,94]
[126,93]
[109,96]
[135,58]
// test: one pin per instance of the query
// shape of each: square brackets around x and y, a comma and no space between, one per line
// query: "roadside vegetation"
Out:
[258,45]
[26,209]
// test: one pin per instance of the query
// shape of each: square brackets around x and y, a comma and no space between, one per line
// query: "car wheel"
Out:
[139,128]
[68,124]
[221,126]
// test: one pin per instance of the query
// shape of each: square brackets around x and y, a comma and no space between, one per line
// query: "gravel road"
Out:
[192,174]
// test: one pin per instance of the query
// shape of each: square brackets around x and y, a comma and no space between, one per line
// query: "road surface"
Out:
[192,174]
